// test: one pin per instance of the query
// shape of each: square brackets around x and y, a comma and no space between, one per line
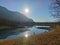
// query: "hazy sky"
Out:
[39,9]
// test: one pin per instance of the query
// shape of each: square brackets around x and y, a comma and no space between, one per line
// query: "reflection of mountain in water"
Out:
[7,32]
[10,17]
[21,32]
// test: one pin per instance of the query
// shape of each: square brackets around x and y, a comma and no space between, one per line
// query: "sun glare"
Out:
[26,10]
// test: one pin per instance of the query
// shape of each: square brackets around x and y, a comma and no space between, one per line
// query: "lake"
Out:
[20,32]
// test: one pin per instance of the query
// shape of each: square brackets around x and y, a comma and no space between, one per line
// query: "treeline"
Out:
[4,22]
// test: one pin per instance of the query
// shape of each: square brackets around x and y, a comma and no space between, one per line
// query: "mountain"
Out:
[13,17]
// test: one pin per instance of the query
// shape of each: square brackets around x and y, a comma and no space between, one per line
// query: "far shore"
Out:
[3,27]
[10,27]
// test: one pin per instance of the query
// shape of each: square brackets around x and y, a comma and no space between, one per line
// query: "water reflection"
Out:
[26,35]
[19,32]
[9,32]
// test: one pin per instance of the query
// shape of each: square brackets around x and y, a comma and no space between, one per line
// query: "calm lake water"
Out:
[20,32]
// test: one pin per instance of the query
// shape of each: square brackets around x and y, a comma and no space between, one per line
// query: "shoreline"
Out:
[49,38]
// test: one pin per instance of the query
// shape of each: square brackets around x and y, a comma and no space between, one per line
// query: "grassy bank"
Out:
[50,38]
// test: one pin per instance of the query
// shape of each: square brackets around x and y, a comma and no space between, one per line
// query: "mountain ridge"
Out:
[11,16]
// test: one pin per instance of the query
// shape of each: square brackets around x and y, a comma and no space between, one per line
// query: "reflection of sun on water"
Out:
[26,35]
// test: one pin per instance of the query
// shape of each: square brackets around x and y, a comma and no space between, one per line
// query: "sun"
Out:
[26,10]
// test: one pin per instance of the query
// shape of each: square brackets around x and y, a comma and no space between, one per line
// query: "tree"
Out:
[56,9]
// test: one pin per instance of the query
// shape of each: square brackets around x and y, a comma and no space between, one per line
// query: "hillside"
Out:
[8,17]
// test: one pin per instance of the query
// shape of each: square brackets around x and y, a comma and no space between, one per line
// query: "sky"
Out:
[39,10]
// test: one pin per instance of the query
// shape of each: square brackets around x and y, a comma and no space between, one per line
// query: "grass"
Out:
[50,38]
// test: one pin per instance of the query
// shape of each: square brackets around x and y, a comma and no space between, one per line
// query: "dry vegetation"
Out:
[50,38]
